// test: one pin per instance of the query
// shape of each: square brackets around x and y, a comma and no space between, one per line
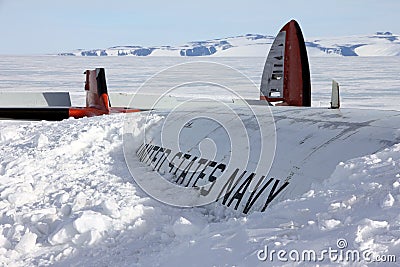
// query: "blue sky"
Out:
[50,26]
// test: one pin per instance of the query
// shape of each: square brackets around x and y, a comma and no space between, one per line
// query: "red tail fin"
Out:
[96,90]
[286,75]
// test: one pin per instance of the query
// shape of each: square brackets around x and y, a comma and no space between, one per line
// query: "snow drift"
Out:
[67,198]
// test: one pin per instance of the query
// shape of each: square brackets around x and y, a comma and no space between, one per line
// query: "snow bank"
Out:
[357,205]
[67,198]
[64,186]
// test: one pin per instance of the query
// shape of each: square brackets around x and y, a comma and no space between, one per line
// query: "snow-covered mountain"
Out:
[378,44]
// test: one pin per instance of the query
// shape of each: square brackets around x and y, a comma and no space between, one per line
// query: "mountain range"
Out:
[378,44]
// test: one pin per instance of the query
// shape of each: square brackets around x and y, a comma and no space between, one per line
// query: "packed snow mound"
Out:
[67,198]
[379,44]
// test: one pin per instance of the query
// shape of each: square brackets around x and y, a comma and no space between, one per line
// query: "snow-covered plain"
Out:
[67,197]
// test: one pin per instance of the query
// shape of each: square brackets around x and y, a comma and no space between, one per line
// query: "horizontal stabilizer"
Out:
[35,99]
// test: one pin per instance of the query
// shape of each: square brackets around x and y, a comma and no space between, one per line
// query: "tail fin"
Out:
[335,99]
[286,75]
[96,90]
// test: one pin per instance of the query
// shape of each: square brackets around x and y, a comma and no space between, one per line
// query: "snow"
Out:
[255,50]
[255,45]
[67,197]
[378,50]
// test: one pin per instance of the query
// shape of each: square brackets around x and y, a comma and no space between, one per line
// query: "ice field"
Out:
[67,197]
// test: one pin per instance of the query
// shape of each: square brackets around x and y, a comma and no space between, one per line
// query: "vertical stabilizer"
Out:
[96,89]
[286,75]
